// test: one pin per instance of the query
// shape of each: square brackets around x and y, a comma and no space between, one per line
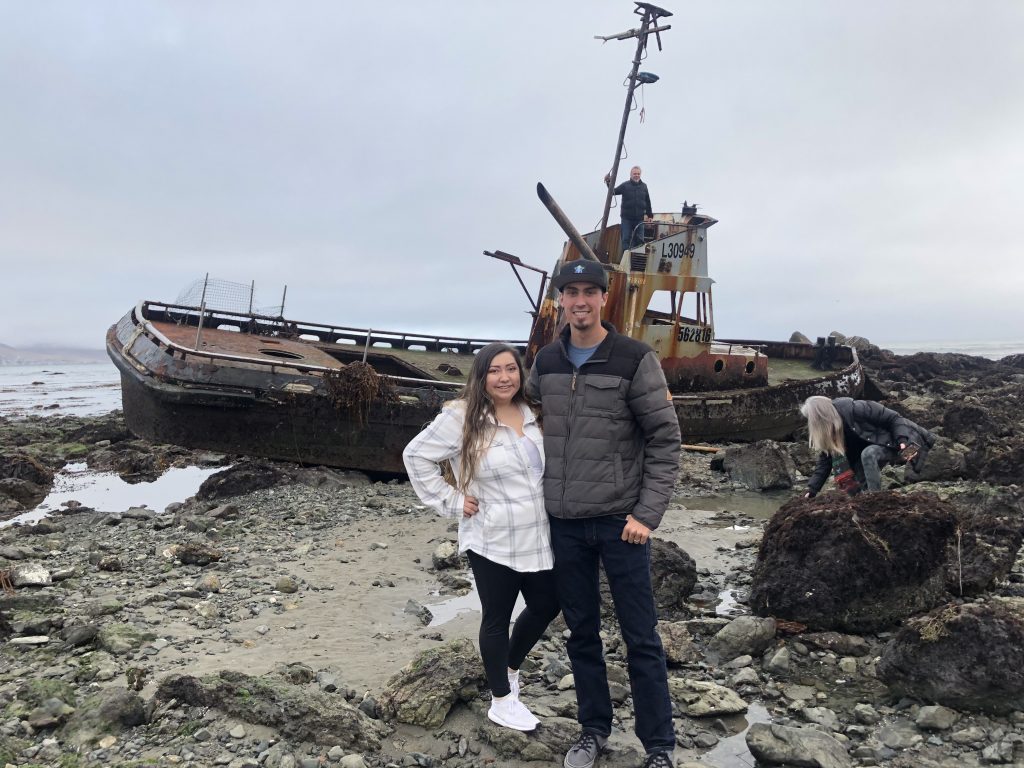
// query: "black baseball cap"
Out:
[581,271]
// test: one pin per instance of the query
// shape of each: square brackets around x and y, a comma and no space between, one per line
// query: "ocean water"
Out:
[993,350]
[87,389]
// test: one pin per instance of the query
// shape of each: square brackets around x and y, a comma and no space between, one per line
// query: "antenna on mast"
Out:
[649,25]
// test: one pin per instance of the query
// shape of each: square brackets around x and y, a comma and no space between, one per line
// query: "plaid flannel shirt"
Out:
[511,527]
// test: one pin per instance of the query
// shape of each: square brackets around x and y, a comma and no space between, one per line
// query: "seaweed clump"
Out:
[353,388]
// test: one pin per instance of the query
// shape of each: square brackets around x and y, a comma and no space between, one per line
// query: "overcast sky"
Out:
[865,160]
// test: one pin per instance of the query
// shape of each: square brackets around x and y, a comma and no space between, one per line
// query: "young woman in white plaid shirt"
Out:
[491,437]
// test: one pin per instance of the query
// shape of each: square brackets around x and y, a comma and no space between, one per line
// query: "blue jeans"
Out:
[581,547]
[871,461]
[632,232]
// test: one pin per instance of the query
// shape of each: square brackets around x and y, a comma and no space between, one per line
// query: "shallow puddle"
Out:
[732,752]
[760,506]
[107,492]
[446,610]
[727,604]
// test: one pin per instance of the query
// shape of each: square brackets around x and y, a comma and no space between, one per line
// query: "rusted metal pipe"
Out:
[641,42]
[563,221]
[202,311]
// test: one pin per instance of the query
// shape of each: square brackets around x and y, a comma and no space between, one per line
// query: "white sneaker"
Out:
[513,682]
[512,713]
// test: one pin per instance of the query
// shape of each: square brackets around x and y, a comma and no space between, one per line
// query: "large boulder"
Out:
[96,429]
[946,461]
[30,574]
[673,576]
[761,466]
[106,713]
[967,657]
[22,467]
[426,689]
[855,564]
[968,424]
[26,493]
[782,745]
[743,636]
[544,745]
[1003,465]
[990,531]
[127,461]
[298,713]
[245,476]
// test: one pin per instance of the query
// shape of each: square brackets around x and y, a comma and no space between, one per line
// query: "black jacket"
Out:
[636,200]
[876,425]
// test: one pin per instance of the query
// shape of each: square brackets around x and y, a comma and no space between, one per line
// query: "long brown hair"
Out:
[824,426]
[480,423]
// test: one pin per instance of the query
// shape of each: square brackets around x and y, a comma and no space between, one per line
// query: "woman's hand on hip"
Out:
[470,506]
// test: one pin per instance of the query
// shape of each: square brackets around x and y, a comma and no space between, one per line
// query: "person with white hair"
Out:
[856,438]
[636,207]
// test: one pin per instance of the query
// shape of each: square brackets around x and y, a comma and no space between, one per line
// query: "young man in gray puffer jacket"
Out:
[611,439]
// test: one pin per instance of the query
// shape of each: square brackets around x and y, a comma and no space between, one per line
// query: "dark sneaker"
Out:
[658,760]
[583,754]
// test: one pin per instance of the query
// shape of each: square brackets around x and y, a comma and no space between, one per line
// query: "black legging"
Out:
[498,587]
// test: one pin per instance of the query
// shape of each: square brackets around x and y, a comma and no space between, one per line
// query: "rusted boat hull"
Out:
[771,411]
[170,395]
[308,430]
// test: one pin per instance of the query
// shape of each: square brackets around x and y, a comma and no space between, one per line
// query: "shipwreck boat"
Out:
[265,386]
[231,380]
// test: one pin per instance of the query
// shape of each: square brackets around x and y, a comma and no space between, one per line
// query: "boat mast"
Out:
[650,15]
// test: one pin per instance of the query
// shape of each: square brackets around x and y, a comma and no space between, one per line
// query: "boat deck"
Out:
[781,371]
[449,366]
[245,345]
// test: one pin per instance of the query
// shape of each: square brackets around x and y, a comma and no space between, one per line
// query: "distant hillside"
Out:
[38,354]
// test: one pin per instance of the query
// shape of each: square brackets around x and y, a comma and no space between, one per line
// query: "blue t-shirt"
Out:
[579,355]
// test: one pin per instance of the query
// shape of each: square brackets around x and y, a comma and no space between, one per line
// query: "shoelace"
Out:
[658,760]
[587,742]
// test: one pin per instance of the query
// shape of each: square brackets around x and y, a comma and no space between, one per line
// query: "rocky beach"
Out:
[301,616]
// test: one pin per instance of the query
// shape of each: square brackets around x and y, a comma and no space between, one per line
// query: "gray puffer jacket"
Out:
[611,436]
[876,425]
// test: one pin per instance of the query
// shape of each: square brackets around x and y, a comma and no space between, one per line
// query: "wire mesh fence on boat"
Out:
[228,297]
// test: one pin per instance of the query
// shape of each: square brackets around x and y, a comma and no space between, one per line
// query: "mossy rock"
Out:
[294,711]
[118,639]
[11,748]
[74,450]
[34,692]
[110,711]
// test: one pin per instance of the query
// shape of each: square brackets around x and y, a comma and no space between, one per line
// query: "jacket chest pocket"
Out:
[494,460]
[601,393]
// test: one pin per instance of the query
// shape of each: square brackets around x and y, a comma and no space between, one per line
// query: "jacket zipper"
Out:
[568,421]
[568,428]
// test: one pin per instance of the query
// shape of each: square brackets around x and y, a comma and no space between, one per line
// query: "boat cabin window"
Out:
[666,306]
